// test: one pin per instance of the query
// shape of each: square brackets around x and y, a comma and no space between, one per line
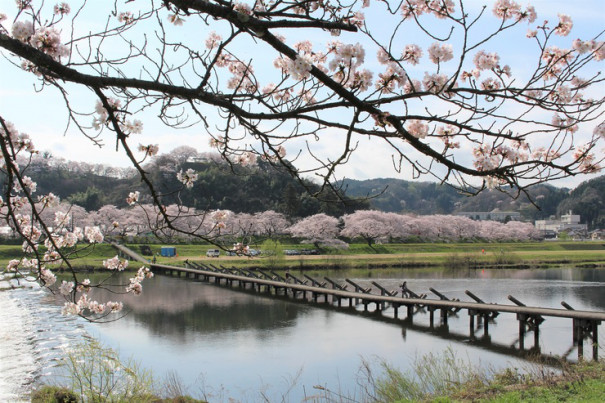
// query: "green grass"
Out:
[443,377]
[580,382]
[359,255]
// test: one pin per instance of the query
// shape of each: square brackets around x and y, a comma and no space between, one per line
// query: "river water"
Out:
[226,344]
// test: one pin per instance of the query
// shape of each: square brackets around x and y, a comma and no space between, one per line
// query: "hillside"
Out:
[219,186]
[264,187]
[587,200]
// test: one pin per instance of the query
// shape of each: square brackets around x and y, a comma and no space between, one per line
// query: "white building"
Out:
[567,222]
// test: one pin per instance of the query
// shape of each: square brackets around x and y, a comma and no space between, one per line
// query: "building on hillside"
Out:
[494,215]
[567,223]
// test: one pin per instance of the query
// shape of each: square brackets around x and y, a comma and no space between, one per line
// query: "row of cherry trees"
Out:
[224,226]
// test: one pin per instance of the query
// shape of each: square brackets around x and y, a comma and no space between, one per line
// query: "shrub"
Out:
[53,394]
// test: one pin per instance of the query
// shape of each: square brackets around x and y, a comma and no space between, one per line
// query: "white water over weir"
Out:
[583,324]
[33,336]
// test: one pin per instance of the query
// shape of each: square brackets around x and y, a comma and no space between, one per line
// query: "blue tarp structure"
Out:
[168,251]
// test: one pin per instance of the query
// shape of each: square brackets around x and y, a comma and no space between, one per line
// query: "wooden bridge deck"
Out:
[584,323]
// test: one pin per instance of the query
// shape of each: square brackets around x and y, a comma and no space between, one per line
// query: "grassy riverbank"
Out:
[454,380]
[521,254]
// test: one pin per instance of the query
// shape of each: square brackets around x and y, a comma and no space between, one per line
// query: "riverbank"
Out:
[455,380]
[452,255]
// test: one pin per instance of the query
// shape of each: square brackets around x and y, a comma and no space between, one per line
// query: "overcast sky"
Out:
[44,117]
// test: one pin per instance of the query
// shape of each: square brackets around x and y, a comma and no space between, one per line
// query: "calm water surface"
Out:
[226,344]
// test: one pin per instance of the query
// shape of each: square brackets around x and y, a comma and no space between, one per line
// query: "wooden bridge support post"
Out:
[521,318]
[580,341]
[595,340]
[587,328]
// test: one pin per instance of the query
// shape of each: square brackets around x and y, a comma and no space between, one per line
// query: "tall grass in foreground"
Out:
[90,372]
[94,373]
[432,373]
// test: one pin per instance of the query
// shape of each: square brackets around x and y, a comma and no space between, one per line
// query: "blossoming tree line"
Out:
[471,118]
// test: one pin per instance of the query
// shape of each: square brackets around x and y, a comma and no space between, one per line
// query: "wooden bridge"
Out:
[584,324]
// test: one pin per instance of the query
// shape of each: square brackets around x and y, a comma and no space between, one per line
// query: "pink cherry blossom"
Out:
[126,17]
[66,287]
[115,264]
[175,19]
[435,83]
[62,9]
[565,25]
[187,178]
[149,150]
[133,198]
[439,53]
[22,30]
[412,54]
[300,67]
[417,128]
[486,61]
[213,40]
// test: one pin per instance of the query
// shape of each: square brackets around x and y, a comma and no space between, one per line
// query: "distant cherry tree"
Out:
[372,226]
[319,229]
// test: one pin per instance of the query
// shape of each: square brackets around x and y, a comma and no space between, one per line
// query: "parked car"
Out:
[310,252]
[213,253]
[291,252]
[253,252]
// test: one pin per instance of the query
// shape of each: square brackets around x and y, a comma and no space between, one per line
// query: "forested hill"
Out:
[263,187]
[219,186]
[588,199]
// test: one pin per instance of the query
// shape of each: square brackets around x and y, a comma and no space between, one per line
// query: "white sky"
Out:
[44,116]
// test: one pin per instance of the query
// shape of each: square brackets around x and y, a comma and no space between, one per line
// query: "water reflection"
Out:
[248,342]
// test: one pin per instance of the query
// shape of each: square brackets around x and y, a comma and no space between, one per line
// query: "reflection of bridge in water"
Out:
[333,295]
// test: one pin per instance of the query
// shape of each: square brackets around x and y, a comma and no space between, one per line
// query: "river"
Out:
[226,344]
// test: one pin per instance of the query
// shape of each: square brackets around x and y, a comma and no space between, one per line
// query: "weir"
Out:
[584,324]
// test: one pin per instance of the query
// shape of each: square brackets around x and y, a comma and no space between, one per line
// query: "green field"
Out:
[521,254]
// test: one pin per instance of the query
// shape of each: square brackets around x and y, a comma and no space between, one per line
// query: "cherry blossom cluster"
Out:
[46,38]
[220,217]
[135,286]
[149,150]
[279,153]
[85,306]
[438,8]
[187,178]
[133,198]
[115,264]
[509,9]
[103,117]
[417,128]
